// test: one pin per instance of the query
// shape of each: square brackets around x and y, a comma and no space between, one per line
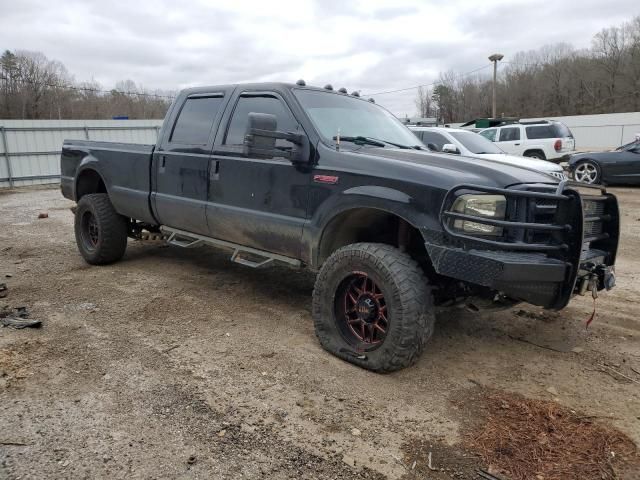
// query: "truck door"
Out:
[257,202]
[181,163]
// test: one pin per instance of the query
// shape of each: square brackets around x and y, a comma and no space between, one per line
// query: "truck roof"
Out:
[268,86]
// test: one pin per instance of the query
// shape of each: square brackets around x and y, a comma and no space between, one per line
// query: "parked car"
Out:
[323,180]
[464,142]
[546,140]
[619,166]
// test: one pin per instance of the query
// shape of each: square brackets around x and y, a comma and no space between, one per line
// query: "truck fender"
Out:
[371,197]
[89,163]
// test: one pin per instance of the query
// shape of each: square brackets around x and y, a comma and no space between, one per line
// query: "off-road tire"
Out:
[406,292]
[111,239]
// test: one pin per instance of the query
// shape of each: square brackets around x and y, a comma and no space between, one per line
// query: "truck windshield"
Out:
[475,143]
[334,114]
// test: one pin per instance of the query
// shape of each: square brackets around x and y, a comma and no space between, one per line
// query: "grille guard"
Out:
[565,237]
[560,195]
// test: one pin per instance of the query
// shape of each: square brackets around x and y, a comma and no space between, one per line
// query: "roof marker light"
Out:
[301,82]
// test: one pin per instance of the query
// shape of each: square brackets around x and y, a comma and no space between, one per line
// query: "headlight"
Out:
[488,206]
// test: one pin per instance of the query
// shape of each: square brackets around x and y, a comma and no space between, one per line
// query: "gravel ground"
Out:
[177,363]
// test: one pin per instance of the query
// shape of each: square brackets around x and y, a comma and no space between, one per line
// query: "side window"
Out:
[489,134]
[195,120]
[259,104]
[509,134]
[435,138]
[543,131]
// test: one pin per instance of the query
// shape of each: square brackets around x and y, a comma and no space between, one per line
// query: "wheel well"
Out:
[534,150]
[372,225]
[89,181]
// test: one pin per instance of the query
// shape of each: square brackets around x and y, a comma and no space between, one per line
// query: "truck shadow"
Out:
[462,340]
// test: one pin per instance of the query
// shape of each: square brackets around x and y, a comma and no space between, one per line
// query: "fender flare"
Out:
[89,163]
[373,197]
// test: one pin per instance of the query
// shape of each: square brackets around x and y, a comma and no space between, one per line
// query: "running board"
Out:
[180,238]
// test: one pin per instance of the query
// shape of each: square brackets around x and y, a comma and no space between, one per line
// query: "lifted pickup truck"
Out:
[320,179]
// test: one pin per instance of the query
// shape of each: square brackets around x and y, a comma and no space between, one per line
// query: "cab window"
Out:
[195,120]
[262,103]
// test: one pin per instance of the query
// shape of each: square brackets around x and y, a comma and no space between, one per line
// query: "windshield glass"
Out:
[475,143]
[352,117]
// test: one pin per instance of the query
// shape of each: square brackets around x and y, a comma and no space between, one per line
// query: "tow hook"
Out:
[608,275]
[600,276]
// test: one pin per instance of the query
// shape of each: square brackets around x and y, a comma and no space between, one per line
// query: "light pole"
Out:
[495,58]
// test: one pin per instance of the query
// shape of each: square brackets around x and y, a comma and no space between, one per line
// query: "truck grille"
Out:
[559,175]
[595,217]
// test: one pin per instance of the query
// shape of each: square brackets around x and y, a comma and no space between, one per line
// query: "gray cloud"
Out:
[370,46]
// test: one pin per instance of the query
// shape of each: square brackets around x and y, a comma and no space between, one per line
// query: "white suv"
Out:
[464,142]
[543,139]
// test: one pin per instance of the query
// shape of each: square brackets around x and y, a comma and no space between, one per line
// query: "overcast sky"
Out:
[370,45]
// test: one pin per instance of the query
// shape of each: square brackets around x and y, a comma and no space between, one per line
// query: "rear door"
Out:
[181,162]
[257,202]
[509,140]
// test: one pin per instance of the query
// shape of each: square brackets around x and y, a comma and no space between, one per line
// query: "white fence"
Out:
[602,132]
[30,149]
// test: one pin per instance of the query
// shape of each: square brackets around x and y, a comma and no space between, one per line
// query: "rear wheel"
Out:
[101,233]
[535,154]
[587,171]
[372,306]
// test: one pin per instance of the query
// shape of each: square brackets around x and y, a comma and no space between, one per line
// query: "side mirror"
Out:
[450,148]
[261,135]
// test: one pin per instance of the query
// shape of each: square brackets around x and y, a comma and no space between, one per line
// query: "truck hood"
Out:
[446,171]
[533,163]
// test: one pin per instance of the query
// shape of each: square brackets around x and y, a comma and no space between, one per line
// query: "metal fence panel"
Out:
[30,149]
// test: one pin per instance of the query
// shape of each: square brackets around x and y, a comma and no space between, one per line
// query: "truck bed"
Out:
[125,169]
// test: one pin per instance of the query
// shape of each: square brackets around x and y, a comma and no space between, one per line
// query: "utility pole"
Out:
[495,58]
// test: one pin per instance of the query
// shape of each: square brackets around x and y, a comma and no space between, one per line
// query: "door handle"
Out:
[215,171]
[163,162]
[516,144]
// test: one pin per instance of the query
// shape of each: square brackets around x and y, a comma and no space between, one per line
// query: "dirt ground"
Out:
[177,363]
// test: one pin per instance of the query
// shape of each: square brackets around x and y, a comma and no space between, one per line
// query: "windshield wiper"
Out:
[376,142]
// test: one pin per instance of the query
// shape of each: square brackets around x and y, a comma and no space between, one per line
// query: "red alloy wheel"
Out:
[361,311]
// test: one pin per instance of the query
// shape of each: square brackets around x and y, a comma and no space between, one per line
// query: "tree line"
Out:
[554,80]
[34,87]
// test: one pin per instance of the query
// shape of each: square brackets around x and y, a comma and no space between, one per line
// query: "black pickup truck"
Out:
[320,179]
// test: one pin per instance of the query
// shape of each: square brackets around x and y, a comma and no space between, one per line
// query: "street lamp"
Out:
[495,58]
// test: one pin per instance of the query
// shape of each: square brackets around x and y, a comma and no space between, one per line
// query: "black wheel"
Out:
[101,233]
[587,171]
[535,154]
[372,306]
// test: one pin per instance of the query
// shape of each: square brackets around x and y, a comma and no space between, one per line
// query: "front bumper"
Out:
[554,244]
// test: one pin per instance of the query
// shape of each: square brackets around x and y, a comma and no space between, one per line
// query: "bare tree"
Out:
[552,80]
[34,87]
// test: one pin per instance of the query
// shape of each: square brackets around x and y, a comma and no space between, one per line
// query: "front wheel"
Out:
[372,306]
[101,232]
[587,172]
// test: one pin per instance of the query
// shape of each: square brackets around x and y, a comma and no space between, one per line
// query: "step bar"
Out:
[183,239]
